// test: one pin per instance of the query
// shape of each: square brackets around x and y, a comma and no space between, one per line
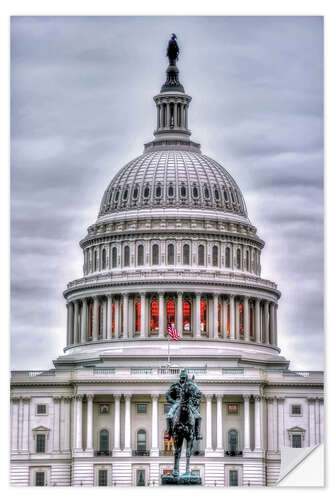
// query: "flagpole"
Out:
[168,344]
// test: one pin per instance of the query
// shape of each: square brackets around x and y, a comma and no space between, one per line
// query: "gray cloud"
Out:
[82,89]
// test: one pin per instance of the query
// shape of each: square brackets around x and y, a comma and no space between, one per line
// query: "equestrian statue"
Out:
[183,422]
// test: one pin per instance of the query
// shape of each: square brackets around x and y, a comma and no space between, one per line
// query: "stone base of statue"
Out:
[183,480]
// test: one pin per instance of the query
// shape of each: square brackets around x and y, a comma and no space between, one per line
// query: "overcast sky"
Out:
[82,107]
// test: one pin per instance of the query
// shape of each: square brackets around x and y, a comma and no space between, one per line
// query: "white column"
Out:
[70,322]
[275,325]
[65,428]
[275,425]
[237,319]
[246,423]
[125,315]
[95,319]
[257,320]
[215,315]
[76,322]
[219,424]
[208,423]
[281,430]
[14,424]
[128,422]
[90,417]
[257,434]
[161,325]
[266,321]
[154,426]
[321,416]
[109,317]
[312,421]
[197,314]
[78,441]
[68,340]
[232,316]
[246,320]
[56,424]
[271,323]
[26,424]
[116,319]
[84,321]
[116,422]
[180,313]
[143,314]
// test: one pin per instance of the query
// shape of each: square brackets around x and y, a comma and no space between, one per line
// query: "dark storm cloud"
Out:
[82,107]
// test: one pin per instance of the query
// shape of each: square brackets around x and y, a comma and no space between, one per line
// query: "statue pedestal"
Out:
[183,480]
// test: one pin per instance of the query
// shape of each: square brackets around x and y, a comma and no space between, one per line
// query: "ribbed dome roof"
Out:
[173,178]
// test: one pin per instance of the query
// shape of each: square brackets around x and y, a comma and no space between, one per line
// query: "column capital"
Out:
[208,397]
[216,295]
[79,397]
[117,396]
[15,399]
[246,397]
[161,294]
[179,294]
[155,397]
[280,399]
[56,398]
[26,399]
[258,398]
[90,397]
[128,396]
[219,396]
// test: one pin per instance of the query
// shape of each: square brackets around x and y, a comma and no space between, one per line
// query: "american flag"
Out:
[173,332]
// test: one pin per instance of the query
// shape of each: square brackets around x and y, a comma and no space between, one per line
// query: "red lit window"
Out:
[100,317]
[171,313]
[154,316]
[168,443]
[219,317]
[187,326]
[203,316]
[228,319]
[113,319]
[241,319]
[138,316]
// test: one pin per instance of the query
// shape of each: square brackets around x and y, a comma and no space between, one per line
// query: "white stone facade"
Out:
[172,244]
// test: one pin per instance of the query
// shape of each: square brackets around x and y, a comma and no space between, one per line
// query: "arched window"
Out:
[114,257]
[141,442]
[168,444]
[201,255]
[104,441]
[95,260]
[187,323]
[227,257]
[241,319]
[140,255]
[195,192]
[247,260]
[135,193]
[186,254]
[155,255]
[171,254]
[215,256]
[113,325]
[137,316]
[146,192]
[238,258]
[233,441]
[203,316]
[101,318]
[126,256]
[170,191]
[183,192]
[158,192]
[103,258]
[171,313]
[154,316]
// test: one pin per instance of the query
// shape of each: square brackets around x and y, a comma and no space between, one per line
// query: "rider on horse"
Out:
[174,395]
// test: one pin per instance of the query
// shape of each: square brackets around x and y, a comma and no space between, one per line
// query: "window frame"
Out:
[141,412]
[292,406]
[37,413]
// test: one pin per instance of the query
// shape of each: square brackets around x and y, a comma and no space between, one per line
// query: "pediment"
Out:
[296,429]
[41,428]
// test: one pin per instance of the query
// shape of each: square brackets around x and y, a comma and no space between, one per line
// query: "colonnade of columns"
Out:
[196,315]
[172,114]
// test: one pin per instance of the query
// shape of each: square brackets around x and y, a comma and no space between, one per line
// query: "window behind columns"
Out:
[101,319]
[241,320]
[247,260]
[113,307]
[227,257]
[171,313]
[122,317]
[141,440]
[215,256]
[171,254]
[114,257]
[201,255]
[203,316]
[186,254]
[251,319]
[219,317]
[95,260]
[126,256]
[154,316]
[187,323]
[155,255]
[140,255]
[238,258]
[137,316]
[104,441]
[90,321]
[103,258]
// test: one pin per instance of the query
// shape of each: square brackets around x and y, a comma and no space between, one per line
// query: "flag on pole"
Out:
[173,332]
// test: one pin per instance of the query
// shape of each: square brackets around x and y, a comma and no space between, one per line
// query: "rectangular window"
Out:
[232,409]
[141,408]
[40,479]
[41,409]
[233,478]
[296,410]
[141,477]
[297,441]
[104,408]
[40,443]
[102,477]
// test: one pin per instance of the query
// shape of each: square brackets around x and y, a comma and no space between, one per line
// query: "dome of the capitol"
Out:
[173,178]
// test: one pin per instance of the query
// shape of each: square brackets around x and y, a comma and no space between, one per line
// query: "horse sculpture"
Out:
[183,423]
